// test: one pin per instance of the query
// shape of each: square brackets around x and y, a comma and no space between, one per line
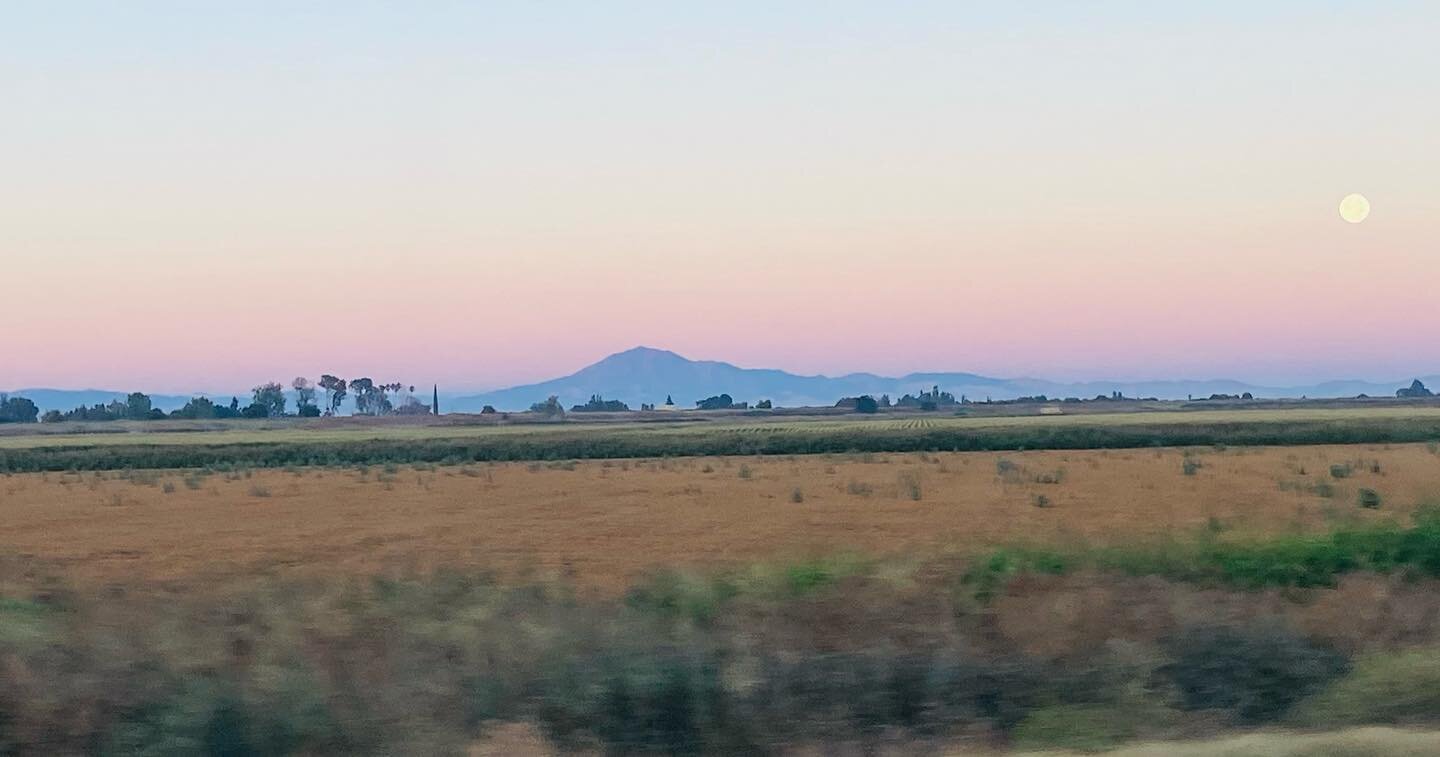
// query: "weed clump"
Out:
[909,484]
[1049,477]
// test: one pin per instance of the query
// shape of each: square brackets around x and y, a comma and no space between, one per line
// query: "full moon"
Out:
[1354,208]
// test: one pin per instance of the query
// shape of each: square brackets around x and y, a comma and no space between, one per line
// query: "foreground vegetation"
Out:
[824,652]
[281,447]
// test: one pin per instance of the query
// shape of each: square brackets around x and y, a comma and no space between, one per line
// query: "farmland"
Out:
[604,523]
[534,588]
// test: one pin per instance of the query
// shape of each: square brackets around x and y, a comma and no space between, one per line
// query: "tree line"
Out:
[327,397]
[268,400]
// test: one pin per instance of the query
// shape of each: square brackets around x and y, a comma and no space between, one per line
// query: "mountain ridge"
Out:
[645,374]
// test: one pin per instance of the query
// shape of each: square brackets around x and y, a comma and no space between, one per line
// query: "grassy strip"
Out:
[1301,561]
[596,443]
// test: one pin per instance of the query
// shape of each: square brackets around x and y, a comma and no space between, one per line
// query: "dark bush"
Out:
[717,402]
[635,697]
[1253,674]
[17,410]
[598,404]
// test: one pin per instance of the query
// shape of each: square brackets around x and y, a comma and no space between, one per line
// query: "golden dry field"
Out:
[605,522]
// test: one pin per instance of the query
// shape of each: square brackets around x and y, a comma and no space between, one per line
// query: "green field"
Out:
[134,446]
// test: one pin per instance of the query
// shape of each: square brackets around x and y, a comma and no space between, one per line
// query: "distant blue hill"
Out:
[648,375]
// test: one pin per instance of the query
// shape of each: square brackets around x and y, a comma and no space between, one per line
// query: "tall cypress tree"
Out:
[435,399]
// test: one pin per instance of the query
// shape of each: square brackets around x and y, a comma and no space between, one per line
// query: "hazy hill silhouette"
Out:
[648,375]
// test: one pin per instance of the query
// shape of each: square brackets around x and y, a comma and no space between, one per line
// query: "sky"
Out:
[205,196]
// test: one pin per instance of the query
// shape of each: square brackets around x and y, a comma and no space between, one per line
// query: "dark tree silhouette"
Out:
[335,389]
[304,397]
[268,401]
[17,410]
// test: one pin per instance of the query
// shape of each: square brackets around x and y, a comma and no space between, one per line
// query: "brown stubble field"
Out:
[603,523]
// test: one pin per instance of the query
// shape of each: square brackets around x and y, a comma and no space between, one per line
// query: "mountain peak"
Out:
[642,351]
[635,363]
[640,358]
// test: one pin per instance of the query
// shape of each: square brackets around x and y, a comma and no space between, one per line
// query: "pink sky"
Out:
[1213,302]
[211,203]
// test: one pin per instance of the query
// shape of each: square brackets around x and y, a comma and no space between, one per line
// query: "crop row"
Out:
[599,443]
